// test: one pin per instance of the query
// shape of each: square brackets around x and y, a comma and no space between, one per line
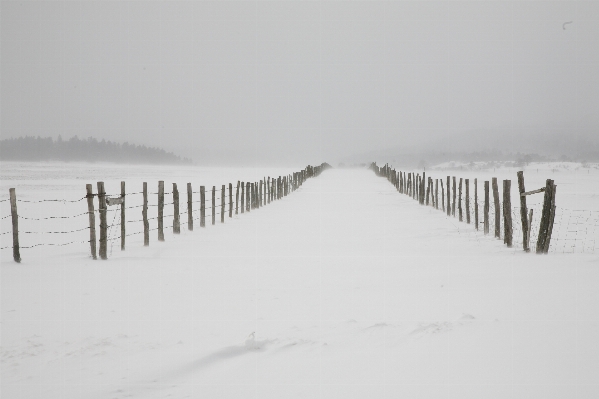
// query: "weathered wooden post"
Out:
[176,219]
[497,208]
[523,211]
[16,254]
[103,223]
[467,182]
[242,197]
[442,196]
[436,193]
[529,228]
[428,190]
[202,206]
[230,200]
[476,203]
[161,210]
[486,209]
[223,195]
[260,194]
[507,213]
[213,205]
[454,196]
[268,190]
[189,208]
[144,215]
[92,222]
[237,199]
[247,196]
[448,197]
[123,220]
[546,214]
[460,201]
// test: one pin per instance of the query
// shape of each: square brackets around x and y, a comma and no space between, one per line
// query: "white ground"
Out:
[343,289]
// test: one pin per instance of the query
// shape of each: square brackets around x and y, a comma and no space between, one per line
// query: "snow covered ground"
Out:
[342,289]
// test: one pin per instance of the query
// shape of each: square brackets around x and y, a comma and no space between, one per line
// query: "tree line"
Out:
[31,148]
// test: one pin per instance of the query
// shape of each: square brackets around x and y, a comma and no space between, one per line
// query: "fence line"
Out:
[555,229]
[254,195]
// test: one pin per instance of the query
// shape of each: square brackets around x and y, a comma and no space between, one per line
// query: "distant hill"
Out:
[31,148]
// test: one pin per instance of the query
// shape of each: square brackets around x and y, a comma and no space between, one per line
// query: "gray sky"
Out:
[299,81]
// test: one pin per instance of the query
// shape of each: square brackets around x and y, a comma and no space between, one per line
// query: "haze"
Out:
[304,82]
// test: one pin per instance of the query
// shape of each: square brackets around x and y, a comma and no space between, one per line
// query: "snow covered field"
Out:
[342,289]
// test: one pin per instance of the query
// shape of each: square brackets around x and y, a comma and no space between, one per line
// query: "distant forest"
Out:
[31,148]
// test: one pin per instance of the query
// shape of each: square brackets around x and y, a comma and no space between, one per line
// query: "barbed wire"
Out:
[56,217]
[53,200]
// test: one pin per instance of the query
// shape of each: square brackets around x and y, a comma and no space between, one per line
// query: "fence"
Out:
[561,229]
[244,197]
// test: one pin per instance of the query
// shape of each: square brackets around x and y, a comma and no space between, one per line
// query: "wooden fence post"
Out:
[268,190]
[546,216]
[202,206]
[523,211]
[507,213]
[189,207]
[428,190]
[497,207]
[123,220]
[529,228]
[448,197]
[242,197]
[476,203]
[237,199]
[551,218]
[460,201]
[467,182]
[16,254]
[103,223]
[436,193]
[161,210]
[144,215]
[213,205]
[176,219]
[260,194]
[92,222]
[223,196]
[454,196]
[230,200]
[486,209]
[442,196]
[247,196]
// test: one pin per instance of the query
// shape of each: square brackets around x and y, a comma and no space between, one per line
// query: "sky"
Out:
[301,82]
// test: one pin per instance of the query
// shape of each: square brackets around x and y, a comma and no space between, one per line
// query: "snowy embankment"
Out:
[343,289]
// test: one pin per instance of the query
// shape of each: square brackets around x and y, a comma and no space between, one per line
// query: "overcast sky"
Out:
[298,81]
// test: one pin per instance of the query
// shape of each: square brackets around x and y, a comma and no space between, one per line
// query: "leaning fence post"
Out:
[144,214]
[507,213]
[230,200]
[123,220]
[176,220]
[547,216]
[528,228]
[189,208]
[497,208]
[222,204]
[103,223]
[486,209]
[161,210]
[92,220]
[202,206]
[476,203]
[467,182]
[523,211]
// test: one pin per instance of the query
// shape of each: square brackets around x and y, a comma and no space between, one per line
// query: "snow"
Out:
[345,288]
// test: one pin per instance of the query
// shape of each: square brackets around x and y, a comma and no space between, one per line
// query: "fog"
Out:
[305,82]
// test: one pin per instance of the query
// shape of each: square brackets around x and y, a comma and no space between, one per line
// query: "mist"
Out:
[305,82]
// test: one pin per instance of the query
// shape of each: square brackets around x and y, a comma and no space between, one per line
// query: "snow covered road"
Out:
[343,289]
